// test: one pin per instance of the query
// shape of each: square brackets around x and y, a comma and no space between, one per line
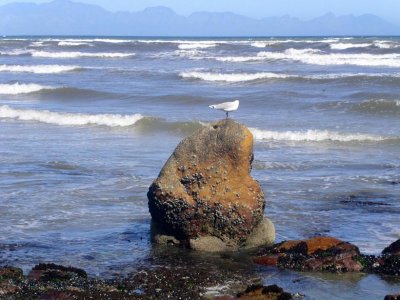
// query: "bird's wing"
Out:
[225,105]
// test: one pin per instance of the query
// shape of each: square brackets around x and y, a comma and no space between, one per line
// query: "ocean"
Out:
[87,123]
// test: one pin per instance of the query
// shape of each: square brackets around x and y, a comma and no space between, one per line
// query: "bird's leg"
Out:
[227,114]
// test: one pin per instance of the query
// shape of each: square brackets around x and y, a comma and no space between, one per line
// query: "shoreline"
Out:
[174,272]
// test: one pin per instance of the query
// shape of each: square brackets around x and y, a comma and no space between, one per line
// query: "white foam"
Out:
[17,88]
[315,136]
[73,43]
[245,77]
[261,44]
[261,56]
[347,75]
[239,58]
[385,44]
[38,69]
[233,77]
[197,45]
[80,54]
[69,119]
[110,41]
[344,46]
[15,52]
[192,53]
[317,57]
[37,44]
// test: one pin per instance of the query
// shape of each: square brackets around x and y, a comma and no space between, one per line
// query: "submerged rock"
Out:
[316,254]
[260,292]
[205,190]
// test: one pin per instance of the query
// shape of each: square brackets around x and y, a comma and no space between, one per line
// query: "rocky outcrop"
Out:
[393,249]
[205,190]
[316,254]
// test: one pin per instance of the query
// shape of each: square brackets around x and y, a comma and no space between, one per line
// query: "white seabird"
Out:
[226,106]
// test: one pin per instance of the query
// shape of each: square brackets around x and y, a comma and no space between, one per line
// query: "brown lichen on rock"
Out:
[205,187]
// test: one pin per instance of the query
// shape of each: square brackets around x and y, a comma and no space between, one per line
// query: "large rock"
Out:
[205,188]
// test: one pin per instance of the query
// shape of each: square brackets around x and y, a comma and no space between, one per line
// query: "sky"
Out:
[303,9]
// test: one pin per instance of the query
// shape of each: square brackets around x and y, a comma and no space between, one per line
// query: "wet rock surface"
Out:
[176,273]
[205,187]
[316,254]
[162,282]
[260,292]
[328,254]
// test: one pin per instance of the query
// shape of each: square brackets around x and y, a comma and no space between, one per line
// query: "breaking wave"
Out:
[198,45]
[81,54]
[317,57]
[316,136]
[38,69]
[73,43]
[69,119]
[20,88]
[344,46]
[233,77]
[246,77]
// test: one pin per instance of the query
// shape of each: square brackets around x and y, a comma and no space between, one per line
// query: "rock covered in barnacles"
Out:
[205,196]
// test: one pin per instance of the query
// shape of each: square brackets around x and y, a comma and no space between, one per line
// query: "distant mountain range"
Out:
[64,17]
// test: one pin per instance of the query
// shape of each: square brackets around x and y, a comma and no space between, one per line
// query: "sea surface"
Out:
[86,124]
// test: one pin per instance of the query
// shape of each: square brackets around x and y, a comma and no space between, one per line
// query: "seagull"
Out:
[226,106]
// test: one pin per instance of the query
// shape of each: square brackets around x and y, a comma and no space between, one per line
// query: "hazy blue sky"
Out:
[388,9]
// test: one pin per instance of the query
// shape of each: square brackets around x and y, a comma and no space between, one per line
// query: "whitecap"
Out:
[197,45]
[232,77]
[73,43]
[18,88]
[317,57]
[80,54]
[344,46]
[38,69]
[69,119]
[315,136]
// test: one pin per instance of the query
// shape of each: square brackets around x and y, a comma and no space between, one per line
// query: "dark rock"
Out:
[389,265]
[52,272]
[267,260]
[394,248]
[259,292]
[316,254]
[9,279]
[392,297]
[10,273]
[205,188]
